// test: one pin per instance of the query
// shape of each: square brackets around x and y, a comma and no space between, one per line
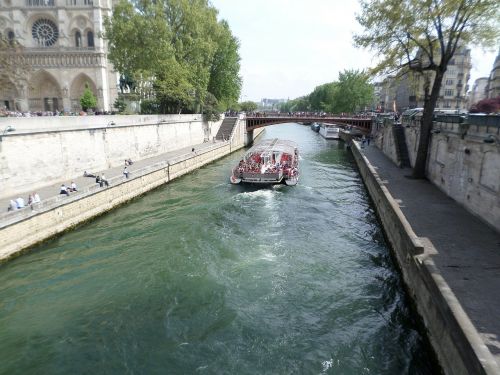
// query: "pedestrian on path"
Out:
[125,172]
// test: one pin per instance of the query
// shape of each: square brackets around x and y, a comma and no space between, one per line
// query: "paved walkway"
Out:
[52,190]
[468,250]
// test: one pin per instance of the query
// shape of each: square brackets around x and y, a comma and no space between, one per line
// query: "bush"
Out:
[120,104]
[88,99]
[150,107]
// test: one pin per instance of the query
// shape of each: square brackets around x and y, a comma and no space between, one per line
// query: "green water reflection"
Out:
[201,276]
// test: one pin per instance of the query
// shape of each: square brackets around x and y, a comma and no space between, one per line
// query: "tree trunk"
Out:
[426,127]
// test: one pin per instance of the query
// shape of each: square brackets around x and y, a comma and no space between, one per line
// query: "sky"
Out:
[288,47]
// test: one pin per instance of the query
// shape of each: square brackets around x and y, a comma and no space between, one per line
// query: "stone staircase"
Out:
[226,128]
[401,148]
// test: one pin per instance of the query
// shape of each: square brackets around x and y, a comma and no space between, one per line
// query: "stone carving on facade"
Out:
[45,30]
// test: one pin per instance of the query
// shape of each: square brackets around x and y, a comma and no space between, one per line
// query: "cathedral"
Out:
[63,53]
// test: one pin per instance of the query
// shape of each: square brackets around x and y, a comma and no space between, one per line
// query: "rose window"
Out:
[45,32]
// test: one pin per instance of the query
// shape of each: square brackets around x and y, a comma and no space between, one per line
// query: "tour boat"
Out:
[272,161]
[329,131]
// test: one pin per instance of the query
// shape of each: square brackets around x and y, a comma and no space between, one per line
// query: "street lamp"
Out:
[6,130]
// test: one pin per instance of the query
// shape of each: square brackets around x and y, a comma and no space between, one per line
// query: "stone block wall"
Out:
[384,139]
[45,150]
[460,162]
[454,339]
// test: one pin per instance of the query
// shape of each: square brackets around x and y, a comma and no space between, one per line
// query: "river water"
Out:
[204,277]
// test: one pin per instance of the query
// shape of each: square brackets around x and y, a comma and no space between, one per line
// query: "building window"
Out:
[45,32]
[446,104]
[449,82]
[78,39]
[448,92]
[90,39]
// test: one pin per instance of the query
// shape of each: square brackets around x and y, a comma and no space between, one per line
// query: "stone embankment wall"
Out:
[45,150]
[456,342]
[61,213]
[464,159]
[384,138]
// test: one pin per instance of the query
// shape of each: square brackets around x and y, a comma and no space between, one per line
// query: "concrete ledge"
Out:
[456,342]
[29,228]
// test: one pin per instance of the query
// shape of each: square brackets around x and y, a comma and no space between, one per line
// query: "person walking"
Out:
[125,172]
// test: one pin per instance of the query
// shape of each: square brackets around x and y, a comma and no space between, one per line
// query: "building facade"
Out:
[479,91]
[408,91]
[61,47]
[494,81]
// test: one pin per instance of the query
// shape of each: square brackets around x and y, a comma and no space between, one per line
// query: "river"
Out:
[200,276]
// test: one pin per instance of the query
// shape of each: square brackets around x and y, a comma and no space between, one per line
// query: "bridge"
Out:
[362,123]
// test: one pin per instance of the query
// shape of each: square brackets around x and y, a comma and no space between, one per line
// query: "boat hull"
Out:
[271,162]
[329,131]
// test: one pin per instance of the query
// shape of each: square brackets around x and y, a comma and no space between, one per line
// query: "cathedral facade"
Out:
[63,53]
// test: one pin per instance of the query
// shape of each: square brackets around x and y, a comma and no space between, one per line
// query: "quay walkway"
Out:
[467,250]
[50,194]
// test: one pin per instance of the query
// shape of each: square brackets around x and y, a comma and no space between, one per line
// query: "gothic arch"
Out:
[76,38]
[77,88]
[89,37]
[44,92]
[8,95]
[79,22]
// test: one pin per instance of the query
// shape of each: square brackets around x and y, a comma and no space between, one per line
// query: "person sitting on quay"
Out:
[20,203]
[64,190]
[85,174]
[104,181]
[73,186]
[12,205]
[36,198]
[128,162]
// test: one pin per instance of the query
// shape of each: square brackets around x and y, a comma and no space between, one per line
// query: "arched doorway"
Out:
[44,93]
[8,96]
[77,89]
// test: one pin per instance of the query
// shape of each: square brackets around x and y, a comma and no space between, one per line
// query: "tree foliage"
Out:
[491,105]
[351,93]
[248,106]
[88,99]
[423,36]
[178,48]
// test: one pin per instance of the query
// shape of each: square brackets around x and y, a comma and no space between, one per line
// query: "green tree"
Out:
[353,92]
[88,99]
[177,49]
[248,106]
[120,103]
[422,36]
[225,82]
[323,97]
